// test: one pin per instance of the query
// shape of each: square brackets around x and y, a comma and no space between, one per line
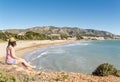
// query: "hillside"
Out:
[66,31]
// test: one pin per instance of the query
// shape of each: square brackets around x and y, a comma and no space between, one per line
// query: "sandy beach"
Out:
[23,47]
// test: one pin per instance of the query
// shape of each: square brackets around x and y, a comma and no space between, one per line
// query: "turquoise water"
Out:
[81,57]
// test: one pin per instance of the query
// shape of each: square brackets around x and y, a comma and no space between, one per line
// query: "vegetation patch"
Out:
[117,73]
[106,69]
[8,78]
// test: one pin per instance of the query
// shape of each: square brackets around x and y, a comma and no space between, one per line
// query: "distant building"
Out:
[55,35]
[93,38]
[21,33]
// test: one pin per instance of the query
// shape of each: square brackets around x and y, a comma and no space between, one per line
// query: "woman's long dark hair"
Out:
[12,43]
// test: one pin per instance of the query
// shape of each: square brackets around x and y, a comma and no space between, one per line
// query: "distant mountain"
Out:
[69,31]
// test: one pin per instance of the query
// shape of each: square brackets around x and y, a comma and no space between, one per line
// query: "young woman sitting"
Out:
[11,58]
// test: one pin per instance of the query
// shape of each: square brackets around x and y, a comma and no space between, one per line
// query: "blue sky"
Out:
[86,14]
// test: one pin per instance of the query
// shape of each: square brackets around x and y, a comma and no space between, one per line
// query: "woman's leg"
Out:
[24,63]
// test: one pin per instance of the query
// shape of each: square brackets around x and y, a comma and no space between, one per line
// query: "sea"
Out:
[79,56]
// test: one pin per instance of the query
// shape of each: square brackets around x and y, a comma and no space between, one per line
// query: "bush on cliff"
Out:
[117,73]
[106,69]
[6,78]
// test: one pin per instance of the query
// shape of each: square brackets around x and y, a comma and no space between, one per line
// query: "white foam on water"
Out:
[57,51]
[40,55]
[78,43]
[86,44]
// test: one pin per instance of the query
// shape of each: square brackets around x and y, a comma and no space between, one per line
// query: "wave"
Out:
[57,51]
[40,55]
[44,53]
[79,43]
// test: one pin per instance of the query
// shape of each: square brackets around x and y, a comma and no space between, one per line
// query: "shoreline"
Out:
[24,47]
[21,52]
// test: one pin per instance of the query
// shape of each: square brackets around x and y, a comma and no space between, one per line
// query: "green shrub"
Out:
[105,69]
[117,73]
[7,78]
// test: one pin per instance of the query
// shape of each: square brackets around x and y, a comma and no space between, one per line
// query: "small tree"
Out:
[79,37]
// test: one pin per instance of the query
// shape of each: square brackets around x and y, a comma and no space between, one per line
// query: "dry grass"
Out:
[34,76]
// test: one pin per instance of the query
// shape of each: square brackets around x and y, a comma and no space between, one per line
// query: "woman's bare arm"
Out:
[12,51]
